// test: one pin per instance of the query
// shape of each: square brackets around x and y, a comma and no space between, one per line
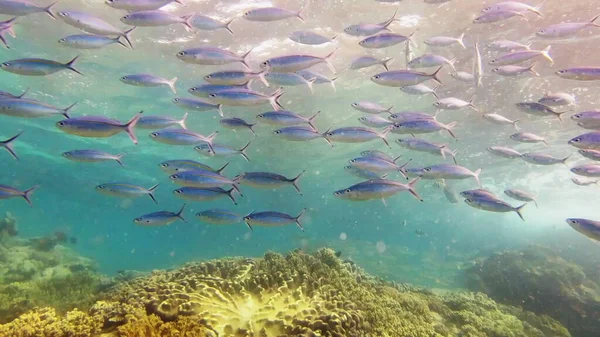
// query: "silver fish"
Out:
[268,14]
[94,25]
[87,41]
[236,77]
[160,122]
[383,40]
[409,116]
[521,56]
[7,192]
[92,156]
[508,46]
[300,134]
[271,219]
[204,90]
[370,107]
[582,182]
[527,137]
[589,228]
[38,67]
[289,79]
[286,118]
[202,179]
[182,137]
[161,218]
[448,191]
[369,61]
[203,22]
[291,63]
[139,5]
[537,109]
[379,165]
[180,165]
[590,140]
[580,73]
[587,170]
[212,56]
[318,79]
[156,18]
[221,150]
[246,97]
[478,194]
[24,7]
[269,180]
[420,89]
[521,195]
[196,104]
[204,194]
[504,152]
[513,6]
[309,38]
[590,154]
[219,217]
[408,52]
[413,127]
[592,116]
[557,99]
[448,171]
[463,76]
[445,41]
[356,134]
[126,190]
[431,60]
[452,103]
[377,189]
[402,78]
[28,108]
[147,80]
[543,159]
[566,29]
[369,29]
[422,145]
[363,174]
[478,67]
[496,16]
[501,120]
[98,126]
[512,70]
[375,121]
[237,124]
[494,205]
[8,145]
[376,154]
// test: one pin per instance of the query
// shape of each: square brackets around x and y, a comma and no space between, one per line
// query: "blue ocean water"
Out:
[423,243]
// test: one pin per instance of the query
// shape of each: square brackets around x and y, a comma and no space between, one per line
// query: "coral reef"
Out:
[293,295]
[540,281]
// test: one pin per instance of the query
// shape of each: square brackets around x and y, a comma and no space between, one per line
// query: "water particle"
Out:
[343,236]
[381,247]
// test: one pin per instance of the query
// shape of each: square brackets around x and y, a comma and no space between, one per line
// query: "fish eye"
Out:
[62,40]
[193,89]
[376,76]
[164,165]
[110,1]
[336,193]
[264,63]
[561,71]
[277,132]
[362,118]
[469,200]
[247,13]
[177,191]
[137,219]
[354,104]
[212,95]
[100,187]
[61,123]
[260,116]
[181,53]
[576,140]
[400,140]
[207,76]
[436,103]
[175,100]
[124,77]
[63,13]
[495,70]
[5,64]
[577,116]
[573,221]
[427,169]
[154,134]
[175,176]
[347,191]
[126,16]
[246,218]
[329,134]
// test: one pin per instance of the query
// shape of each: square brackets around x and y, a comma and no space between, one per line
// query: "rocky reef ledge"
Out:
[297,294]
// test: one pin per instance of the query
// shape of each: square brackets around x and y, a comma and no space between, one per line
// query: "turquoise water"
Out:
[383,238]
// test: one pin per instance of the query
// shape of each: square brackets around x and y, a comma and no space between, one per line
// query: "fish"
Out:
[377,189]
[179,165]
[420,89]
[587,170]
[203,179]
[271,219]
[375,121]
[580,73]
[290,79]
[513,6]
[566,29]
[204,194]
[160,122]
[219,217]
[527,137]
[161,218]
[452,103]
[409,116]
[309,38]
[413,127]
[300,134]
[7,192]
[182,137]
[370,107]
[383,40]
[88,41]
[376,154]
[582,182]
[494,205]
[449,193]
[195,104]
[477,67]
[557,99]
[246,97]
[379,165]
[356,134]
[93,25]
[589,125]
[369,29]
[203,90]
[508,46]
[463,76]
[543,159]
[212,56]
[423,145]
[8,145]
[504,152]
[478,194]
[431,60]
[590,154]
[269,180]
[24,7]
[203,22]
[402,78]
[588,141]
[286,118]
[537,109]
[496,16]
[448,171]
[236,124]
[38,67]
[92,156]
[28,108]
[369,61]
[499,119]
[236,77]
[147,80]
[98,126]
[139,5]
[512,70]
[363,174]
[268,14]
[521,196]
[592,116]
[156,18]
[291,63]
[126,190]
[445,41]
[408,53]
[521,56]
[221,150]
[318,79]
[589,228]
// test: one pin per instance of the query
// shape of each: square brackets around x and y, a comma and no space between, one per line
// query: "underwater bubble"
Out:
[343,236]
[381,247]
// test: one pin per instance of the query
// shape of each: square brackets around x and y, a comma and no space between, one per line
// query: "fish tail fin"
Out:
[236,183]
[450,127]
[180,213]
[220,171]
[593,21]
[433,91]
[248,224]
[65,111]
[392,19]
[48,10]
[151,193]
[532,70]
[244,58]
[471,105]
[131,124]
[384,134]
[385,62]
[171,84]
[179,2]
[435,74]
[127,37]
[546,54]
[535,203]
[461,40]
[231,196]
[183,120]
[8,145]
[209,140]
[250,127]
[118,40]
[328,58]
[559,115]
[274,99]
[451,63]
[119,157]
[312,119]
[3,39]
[298,217]
[220,109]
[332,83]
[545,143]
[564,161]
[389,110]
[519,209]
[228,27]
[295,180]
[310,83]
[514,123]
[23,94]
[454,156]
[71,65]
[10,27]
[243,151]
[261,76]
[187,22]
[537,8]
[27,194]
[476,176]
[443,150]
[411,188]
[402,169]
[299,14]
